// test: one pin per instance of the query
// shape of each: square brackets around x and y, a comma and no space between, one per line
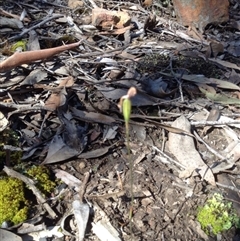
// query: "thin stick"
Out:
[25,31]
[30,183]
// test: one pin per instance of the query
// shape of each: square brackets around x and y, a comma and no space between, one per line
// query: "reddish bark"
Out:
[30,56]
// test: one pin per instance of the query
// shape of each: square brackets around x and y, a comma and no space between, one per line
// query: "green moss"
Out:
[41,175]
[13,205]
[217,215]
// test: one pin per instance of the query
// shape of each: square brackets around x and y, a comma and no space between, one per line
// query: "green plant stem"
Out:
[131,175]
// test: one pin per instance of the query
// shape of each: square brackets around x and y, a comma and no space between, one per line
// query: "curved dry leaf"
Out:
[220,98]
[68,179]
[224,63]
[67,82]
[106,18]
[59,151]
[92,116]
[183,148]
[201,79]
[95,153]
[34,77]
[81,213]
[8,235]
[55,100]
[11,23]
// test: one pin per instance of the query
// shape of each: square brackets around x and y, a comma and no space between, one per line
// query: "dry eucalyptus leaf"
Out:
[75,4]
[183,148]
[8,235]
[224,63]
[81,214]
[68,179]
[220,98]
[59,151]
[55,100]
[11,23]
[92,116]
[95,153]
[34,77]
[105,231]
[108,19]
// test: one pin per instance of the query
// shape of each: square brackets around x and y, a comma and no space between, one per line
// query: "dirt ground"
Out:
[147,185]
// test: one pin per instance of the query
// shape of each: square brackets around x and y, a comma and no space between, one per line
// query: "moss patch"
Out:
[13,205]
[41,175]
[217,215]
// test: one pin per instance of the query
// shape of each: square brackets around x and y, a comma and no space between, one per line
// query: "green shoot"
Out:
[125,106]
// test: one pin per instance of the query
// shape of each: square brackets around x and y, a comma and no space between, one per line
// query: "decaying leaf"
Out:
[92,117]
[105,231]
[34,77]
[95,153]
[183,148]
[221,98]
[7,235]
[81,213]
[201,79]
[58,151]
[68,179]
[11,23]
[107,19]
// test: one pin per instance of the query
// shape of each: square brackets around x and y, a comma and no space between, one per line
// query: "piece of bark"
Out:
[200,13]
[27,57]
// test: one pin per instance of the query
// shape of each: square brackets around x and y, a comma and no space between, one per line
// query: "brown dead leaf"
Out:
[59,151]
[95,153]
[92,116]
[67,82]
[75,3]
[34,77]
[147,3]
[56,99]
[206,87]
[224,63]
[108,19]
[216,48]
[220,98]
[183,148]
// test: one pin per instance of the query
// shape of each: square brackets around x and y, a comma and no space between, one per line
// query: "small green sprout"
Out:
[217,215]
[125,106]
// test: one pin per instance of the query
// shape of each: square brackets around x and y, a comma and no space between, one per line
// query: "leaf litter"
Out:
[60,96]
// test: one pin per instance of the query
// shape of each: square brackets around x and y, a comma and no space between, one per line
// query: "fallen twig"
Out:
[30,183]
[8,14]
[30,56]
[25,31]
